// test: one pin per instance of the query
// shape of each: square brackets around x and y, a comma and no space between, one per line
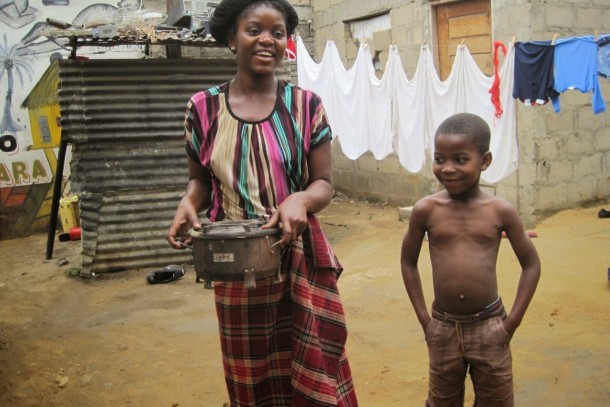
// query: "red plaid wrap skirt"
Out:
[283,344]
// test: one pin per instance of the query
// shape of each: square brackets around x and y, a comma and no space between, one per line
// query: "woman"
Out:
[259,146]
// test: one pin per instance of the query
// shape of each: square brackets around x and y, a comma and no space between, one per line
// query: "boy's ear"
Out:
[487,159]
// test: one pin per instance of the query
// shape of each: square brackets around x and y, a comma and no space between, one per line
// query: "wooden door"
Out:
[468,21]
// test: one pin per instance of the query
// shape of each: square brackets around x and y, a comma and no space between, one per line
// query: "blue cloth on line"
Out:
[576,68]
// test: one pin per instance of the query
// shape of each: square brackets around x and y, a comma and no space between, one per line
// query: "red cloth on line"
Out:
[495,87]
[294,353]
[291,49]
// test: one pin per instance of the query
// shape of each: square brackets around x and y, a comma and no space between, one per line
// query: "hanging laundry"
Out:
[357,102]
[534,79]
[504,146]
[576,68]
[603,56]
[291,49]
[395,114]
[320,78]
[495,86]
[409,121]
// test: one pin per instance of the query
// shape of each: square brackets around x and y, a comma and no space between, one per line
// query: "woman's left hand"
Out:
[292,212]
[291,216]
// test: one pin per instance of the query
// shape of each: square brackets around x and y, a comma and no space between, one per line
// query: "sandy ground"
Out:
[116,340]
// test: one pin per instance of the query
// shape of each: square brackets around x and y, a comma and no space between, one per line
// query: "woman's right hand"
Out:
[198,196]
[186,217]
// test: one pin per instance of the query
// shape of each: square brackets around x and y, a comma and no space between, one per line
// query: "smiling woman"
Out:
[259,148]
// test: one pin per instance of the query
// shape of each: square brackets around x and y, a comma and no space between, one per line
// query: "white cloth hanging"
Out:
[504,146]
[409,112]
[357,102]
[393,114]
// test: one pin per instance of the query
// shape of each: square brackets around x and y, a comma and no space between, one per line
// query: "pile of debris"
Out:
[179,23]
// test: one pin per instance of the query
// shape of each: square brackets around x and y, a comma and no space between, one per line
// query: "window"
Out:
[364,28]
[45,131]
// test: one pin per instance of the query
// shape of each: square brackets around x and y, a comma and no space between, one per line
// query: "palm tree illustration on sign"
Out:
[12,60]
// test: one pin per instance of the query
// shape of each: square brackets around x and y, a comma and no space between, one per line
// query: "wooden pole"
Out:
[59,175]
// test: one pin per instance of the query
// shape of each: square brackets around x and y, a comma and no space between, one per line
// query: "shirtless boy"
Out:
[469,328]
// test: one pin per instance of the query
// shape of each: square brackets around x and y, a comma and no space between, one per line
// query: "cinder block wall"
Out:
[564,159]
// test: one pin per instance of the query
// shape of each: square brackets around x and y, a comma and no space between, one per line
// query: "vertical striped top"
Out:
[254,166]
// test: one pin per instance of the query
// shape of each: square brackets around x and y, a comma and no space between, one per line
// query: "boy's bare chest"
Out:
[461,226]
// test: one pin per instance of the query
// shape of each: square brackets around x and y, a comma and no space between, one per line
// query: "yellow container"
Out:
[69,212]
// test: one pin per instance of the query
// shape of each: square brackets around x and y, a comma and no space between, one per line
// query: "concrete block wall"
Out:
[564,158]
[378,181]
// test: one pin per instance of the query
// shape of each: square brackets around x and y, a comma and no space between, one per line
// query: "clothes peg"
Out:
[554,38]
[513,40]
[462,42]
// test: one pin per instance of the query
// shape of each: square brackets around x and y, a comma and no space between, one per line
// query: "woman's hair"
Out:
[470,125]
[224,20]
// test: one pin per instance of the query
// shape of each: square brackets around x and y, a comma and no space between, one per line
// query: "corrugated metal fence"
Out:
[124,120]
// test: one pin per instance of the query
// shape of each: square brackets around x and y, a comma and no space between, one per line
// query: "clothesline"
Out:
[596,36]
[397,115]
[545,69]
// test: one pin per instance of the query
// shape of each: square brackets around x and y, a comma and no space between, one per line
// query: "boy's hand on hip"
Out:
[510,327]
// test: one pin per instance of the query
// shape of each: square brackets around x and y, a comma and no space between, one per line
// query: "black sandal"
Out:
[166,274]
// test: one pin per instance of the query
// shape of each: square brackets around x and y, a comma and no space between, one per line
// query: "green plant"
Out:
[72,272]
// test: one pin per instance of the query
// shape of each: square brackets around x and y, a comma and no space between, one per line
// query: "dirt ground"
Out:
[115,340]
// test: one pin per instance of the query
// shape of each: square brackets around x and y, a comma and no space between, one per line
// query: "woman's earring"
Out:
[232,49]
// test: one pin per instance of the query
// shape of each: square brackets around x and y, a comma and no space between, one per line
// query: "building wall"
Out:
[564,159]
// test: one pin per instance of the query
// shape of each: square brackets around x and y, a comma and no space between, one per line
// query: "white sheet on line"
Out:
[395,114]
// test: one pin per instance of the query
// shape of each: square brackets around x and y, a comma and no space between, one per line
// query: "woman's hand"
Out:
[291,215]
[292,212]
[197,197]
[185,218]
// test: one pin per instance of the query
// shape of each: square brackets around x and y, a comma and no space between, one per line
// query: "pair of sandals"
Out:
[167,274]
